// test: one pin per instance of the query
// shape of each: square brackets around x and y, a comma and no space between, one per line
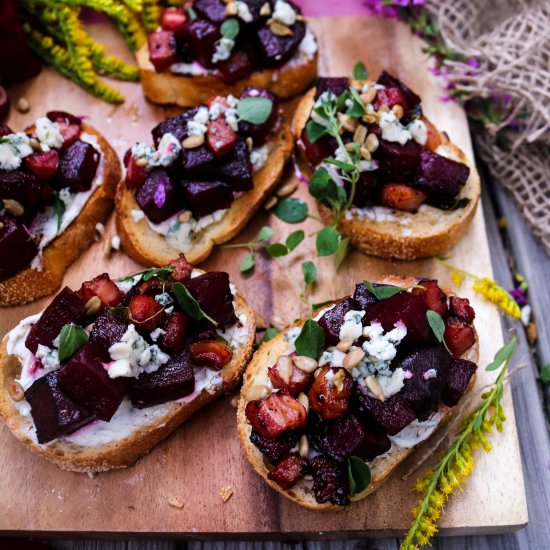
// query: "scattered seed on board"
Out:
[107,247]
[226,493]
[175,503]
[23,105]
[270,203]
[287,189]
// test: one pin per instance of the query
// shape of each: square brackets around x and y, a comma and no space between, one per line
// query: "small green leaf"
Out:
[357,108]
[71,338]
[160,272]
[276,250]
[437,325]
[315,131]
[265,234]
[310,272]
[291,210]
[247,263]
[230,28]
[311,340]
[269,334]
[189,304]
[59,208]
[327,241]
[344,166]
[342,252]
[382,292]
[545,374]
[360,71]
[321,304]
[503,354]
[255,110]
[191,13]
[359,475]
[321,185]
[294,239]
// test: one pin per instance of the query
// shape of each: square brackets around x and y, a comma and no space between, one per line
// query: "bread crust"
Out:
[30,284]
[409,236]
[150,248]
[381,467]
[190,91]
[125,452]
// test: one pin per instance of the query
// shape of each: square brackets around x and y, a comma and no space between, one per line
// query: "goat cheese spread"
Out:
[416,432]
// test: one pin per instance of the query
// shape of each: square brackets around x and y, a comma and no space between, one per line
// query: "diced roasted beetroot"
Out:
[63,116]
[275,449]
[135,175]
[86,380]
[69,132]
[363,296]
[213,10]
[182,269]
[459,377]
[54,413]
[407,308]
[103,287]
[328,398]
[237,67]
[298,381]
[67,307]
[196,161]
[386,79]
[440,177]
[175,327]
[392,414]
[318,151]
[177,126]
[289,471]
[212,354]
[276,50]
[201,37]
[17,247]
[434,298]
[24,188]
[337,86]
[330,481]
[43,165]
[275,415]
[146,313]
[433,141]
[349,436]
[461,308]
[212,292]
[77,166]
[365,188]
[401,197]
[333,319]
[107,330]
[206,197]
[398,162]
[157,197]
[162,49]
[390,97]
[459,336]
[152,287]
[174,20]
[173,380]
[221,138]
[259,132]
[429,367]
[236,168]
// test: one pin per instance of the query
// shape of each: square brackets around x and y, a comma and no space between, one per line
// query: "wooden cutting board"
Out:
[204,454]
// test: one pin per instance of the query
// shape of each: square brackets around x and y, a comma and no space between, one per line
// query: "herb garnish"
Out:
[269,334]
[438,327]
[311,340]
[230,28]
[291,210]
[58,206]
[310,272]
[160,272]
[360,71]
[188,303]
[71,338]
[359,475]
[255,110]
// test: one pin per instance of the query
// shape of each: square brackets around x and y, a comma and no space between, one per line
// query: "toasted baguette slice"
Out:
[189,91]
[381,467]
[406,236]
[31,284]
[163,420]
[150,248]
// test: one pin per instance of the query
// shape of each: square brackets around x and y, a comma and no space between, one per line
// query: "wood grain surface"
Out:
[204,454]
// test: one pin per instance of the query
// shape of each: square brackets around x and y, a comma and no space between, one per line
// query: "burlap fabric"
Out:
[510,41]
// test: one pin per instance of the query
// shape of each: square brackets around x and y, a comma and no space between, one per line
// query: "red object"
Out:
[176,330]
[461,308]
[459,336]
[210,353]
[298,381]
[104,288]
[146,312]
[433,141]
[289,471]
[43,165]
[391,97]
[182,269]
[162,49]
[220,136]
[401,197]
[434,297]
[69,132]
[135,175]
[328,399]
[174,20]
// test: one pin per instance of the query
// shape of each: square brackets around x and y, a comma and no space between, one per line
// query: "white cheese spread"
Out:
[416,432]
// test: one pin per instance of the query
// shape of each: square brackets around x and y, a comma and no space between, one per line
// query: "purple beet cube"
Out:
[107,330]
[330,481]
[54,413]
[389,81]
[177,126]
[77,166]
[212,292]
[332,320]
[86,380]
[398,163]
[201,37]
[162,49]
[213,10]
[259,132]
[366,189]
[275,449]
[66,307]
[429,370]
[237,67]
[440,177]
[23,187]
[196,161]
[206,197]
[276,50]
[337,86]
[236,168]
[173,380]
[65,117]
[363,295]
[459,376]
[157,197]
[17,247]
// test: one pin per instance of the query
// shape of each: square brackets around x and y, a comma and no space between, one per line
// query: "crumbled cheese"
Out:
[197,125]
[48,357]
[243,12]
[224,46]
[237,334]
[352,326]
[166,153]
[133,355]
[193,69]
[164,299]
[367,165]
[416,432]
[137,215]
[291,335]
[100,228]
[393,130]
[429,374]
[525,314]
[308,45]
[333,358]
[380,347]
[284,13]
[13,148]
[258,156]
[157,333]
[47,132]
[419,131]
[115,242]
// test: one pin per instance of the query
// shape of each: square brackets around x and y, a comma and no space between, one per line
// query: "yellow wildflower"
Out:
[457,277]
[497,295]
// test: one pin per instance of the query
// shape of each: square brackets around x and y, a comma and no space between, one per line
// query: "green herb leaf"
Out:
[360,71]
[321,304]
[160,272]
[356,108]
[276,250]
[321,186]
[255,110]
[310,272]
[191,13]
[342,252]
[327,241]
[71,338]
[382,292]
[230,28]
[59,208]
[437,325]
[503,354]
[294,239]
[291,210]
[269,334]
[315,131]
[189,304]
[359,475]
[311,340]
[247,263]
[344,166]
[265,234]
[545,374]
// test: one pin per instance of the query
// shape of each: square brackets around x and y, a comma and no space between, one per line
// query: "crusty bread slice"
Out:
[31,284]
[124,452]
[150,248]
[189,91]
[406,236]
[381,467]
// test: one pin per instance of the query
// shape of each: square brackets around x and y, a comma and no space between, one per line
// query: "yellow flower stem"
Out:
[150,15]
